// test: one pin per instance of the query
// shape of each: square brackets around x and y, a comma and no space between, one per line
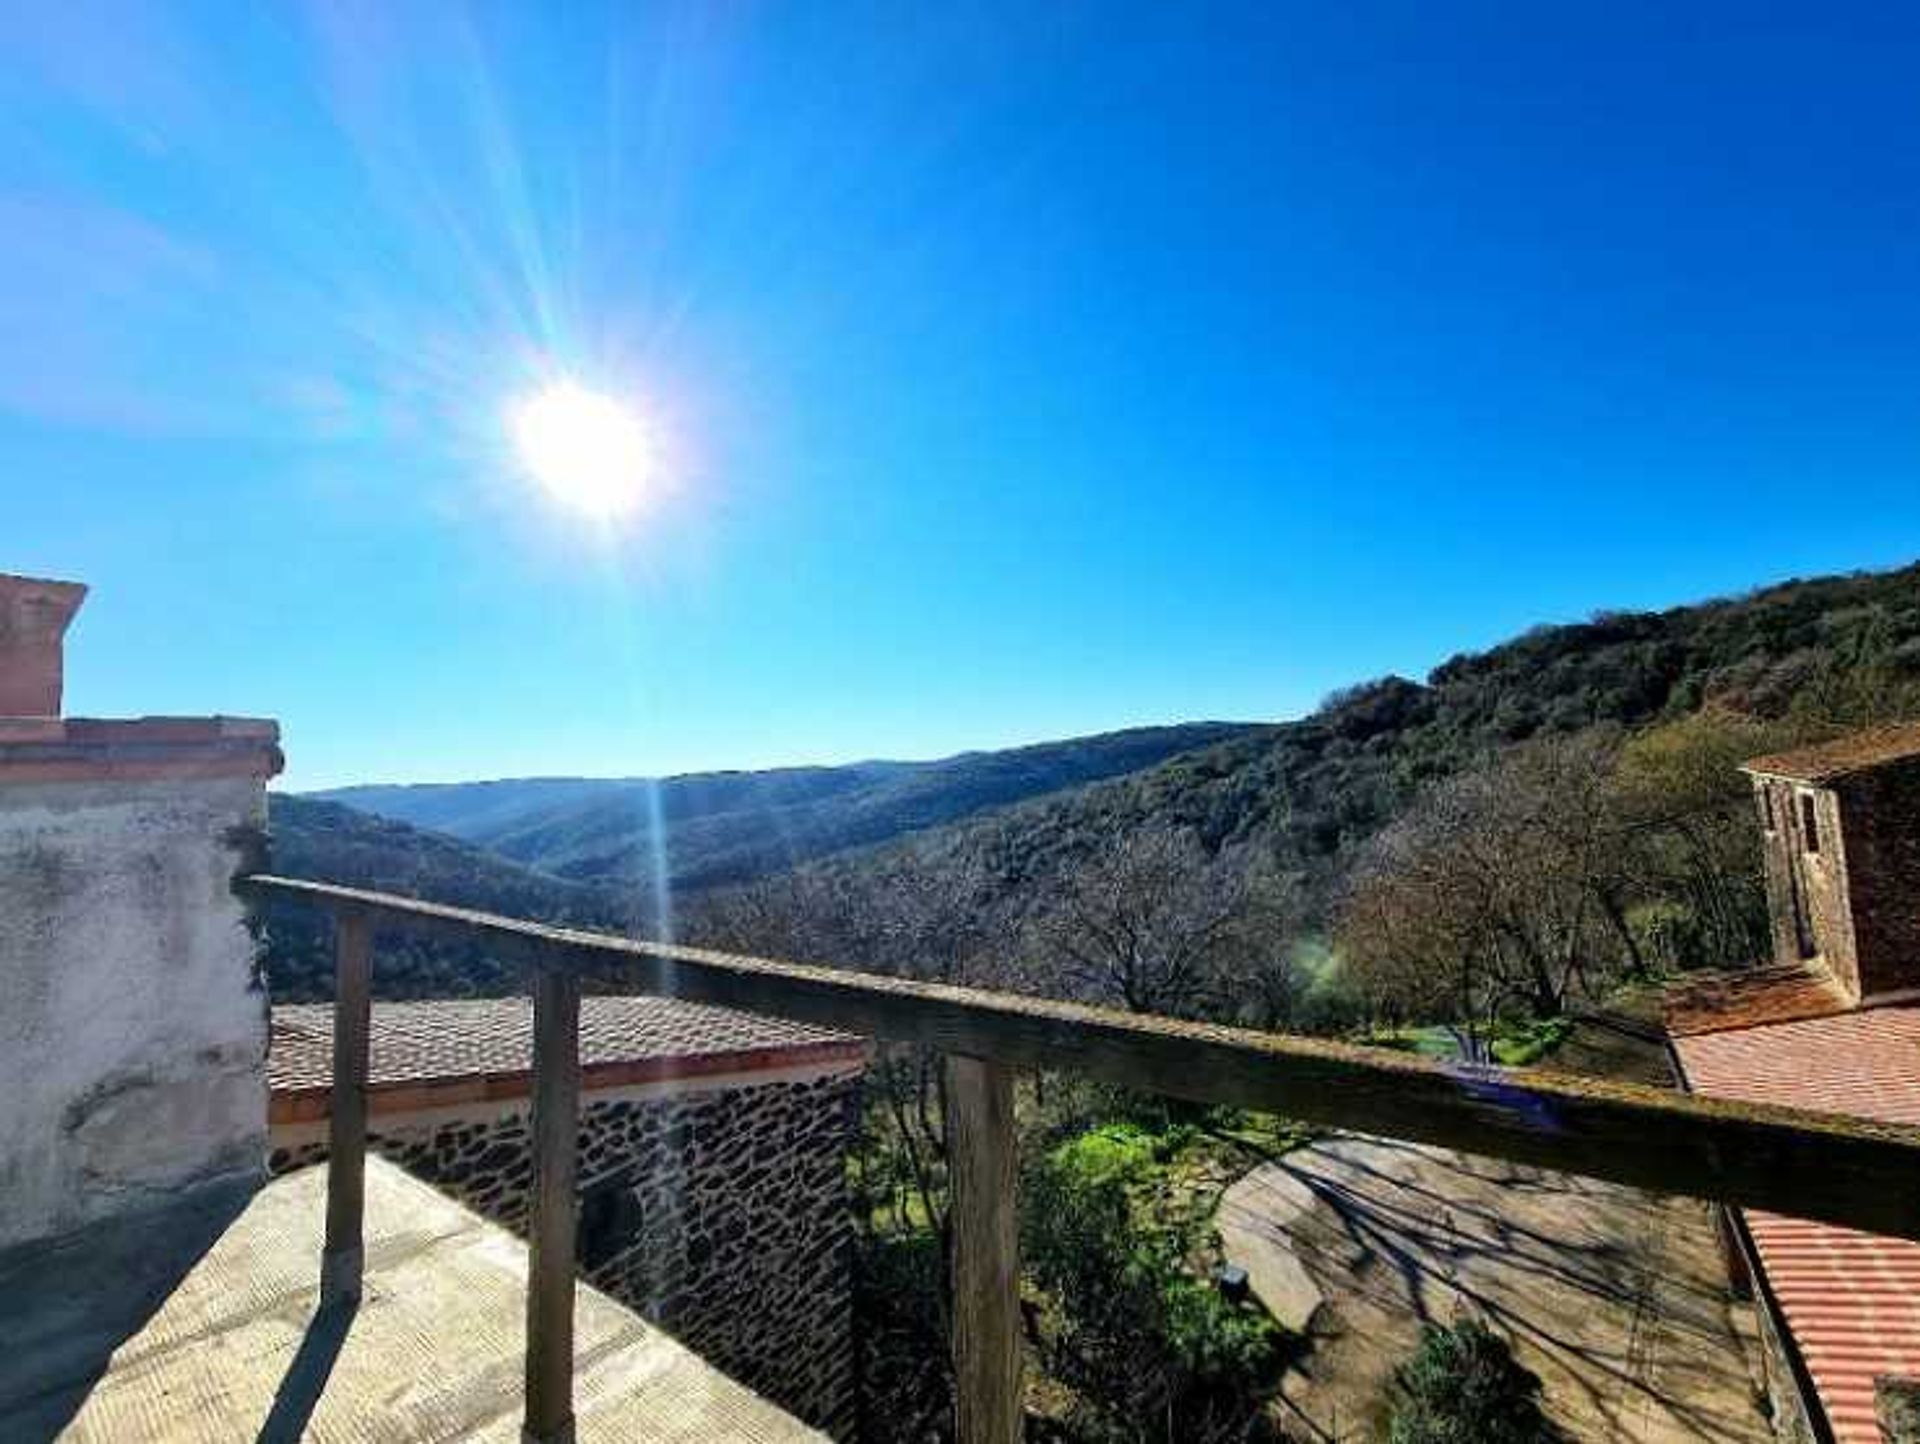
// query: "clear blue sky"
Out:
[1025,370]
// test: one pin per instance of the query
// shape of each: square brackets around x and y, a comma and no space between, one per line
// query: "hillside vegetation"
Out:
[1304,796]
[331,843]
[1455,860]
[728,827]
[912,864]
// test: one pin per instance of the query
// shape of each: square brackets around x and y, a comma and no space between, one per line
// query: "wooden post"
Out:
[342,1260]
[986,1251]
[550,1227]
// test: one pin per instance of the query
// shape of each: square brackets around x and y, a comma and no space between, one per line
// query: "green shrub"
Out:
[1670,936]
[1134,1331]
[1521,1044]
[902,1361]
[1463,1386]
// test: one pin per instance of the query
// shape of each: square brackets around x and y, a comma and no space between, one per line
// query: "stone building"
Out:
[1842,828]
[1831,1024]
[712,1173]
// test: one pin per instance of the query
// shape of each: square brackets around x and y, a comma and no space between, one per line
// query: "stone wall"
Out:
[1806,853]
[1881,813]
[1781,859]
[1897,1405]
[719,1213]
[1851,852]
[133,1023]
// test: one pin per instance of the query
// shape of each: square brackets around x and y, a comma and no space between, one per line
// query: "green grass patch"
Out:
[1518,1045]
[1428,1042]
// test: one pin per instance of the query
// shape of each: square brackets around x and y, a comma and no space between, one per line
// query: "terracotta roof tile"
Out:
[1752,997]
[1851,1299]
[468,1037]
[1857,751]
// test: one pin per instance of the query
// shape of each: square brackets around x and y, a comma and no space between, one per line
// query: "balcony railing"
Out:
[1819,1166]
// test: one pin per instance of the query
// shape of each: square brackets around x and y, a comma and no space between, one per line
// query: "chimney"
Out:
[33,621]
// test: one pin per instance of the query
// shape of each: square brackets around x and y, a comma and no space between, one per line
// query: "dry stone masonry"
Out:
[721,1214]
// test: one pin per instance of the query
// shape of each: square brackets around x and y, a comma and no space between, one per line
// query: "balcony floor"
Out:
[205,1330]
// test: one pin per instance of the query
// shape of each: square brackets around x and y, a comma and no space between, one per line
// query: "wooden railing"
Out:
[1821,1166]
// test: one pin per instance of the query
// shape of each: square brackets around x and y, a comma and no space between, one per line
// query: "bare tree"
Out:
[1695,851]
[1157,925]
[1501,888]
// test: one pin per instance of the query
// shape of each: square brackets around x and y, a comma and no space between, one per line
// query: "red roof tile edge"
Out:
[1756,997]
[87,749]
[1841,757]
[408,1095]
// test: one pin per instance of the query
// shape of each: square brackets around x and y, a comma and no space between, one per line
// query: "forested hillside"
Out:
[1305,795]
[729,827]
[887,877]
[331,843]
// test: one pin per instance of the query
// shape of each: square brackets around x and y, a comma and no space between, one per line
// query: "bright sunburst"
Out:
[593,455]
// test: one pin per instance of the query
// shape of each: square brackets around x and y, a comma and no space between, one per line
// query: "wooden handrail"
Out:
[1822,1166]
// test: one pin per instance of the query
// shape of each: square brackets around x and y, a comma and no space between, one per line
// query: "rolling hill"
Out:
[730,827]
[1305,794]
[332,843]
[1840,650]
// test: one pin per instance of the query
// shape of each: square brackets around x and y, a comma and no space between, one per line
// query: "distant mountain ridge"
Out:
[730,827]
[311,837]
[328,842]
[1305,794]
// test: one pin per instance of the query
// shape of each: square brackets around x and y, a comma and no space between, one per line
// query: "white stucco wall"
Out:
[133,1023]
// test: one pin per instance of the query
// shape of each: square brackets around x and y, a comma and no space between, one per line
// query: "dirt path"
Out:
[1614,1297]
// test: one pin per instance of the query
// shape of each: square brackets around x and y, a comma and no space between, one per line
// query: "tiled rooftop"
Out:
[493,1038]
[1827,761]
[1851,1299]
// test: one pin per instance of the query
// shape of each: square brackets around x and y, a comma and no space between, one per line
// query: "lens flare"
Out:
[591,454]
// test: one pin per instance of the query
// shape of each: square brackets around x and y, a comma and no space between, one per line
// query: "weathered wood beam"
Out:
[983,1176]
[550,1225]
[1822,1166]
[343,1256]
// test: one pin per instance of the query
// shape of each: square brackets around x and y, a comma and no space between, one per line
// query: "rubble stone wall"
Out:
[719,1213]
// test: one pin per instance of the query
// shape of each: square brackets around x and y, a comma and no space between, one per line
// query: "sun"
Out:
[591,454]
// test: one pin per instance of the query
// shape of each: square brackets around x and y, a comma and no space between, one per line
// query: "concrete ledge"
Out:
[209,1327]
[86,749]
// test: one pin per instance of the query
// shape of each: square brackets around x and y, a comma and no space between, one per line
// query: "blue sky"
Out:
[1020,370]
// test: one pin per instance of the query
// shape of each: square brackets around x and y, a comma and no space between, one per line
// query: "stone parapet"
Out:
[132,1019]
[141,749]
